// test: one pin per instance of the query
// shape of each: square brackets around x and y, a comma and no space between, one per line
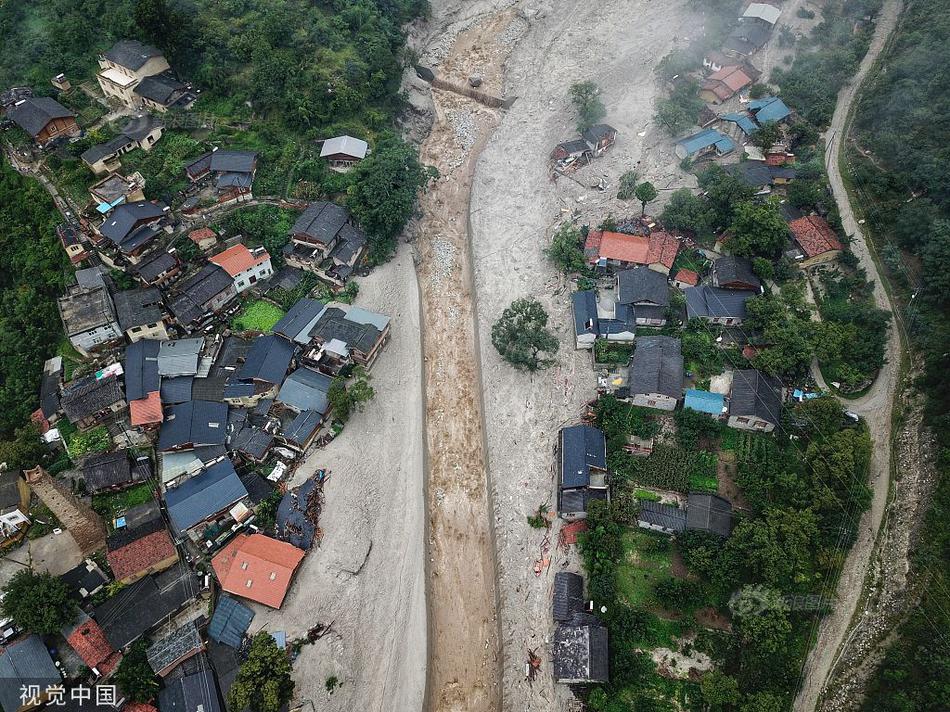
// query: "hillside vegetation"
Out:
[904,182]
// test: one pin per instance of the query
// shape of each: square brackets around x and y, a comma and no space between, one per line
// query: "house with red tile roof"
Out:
[606,249]
[816,240]
[139,551]
[246,267]
[258,568]
[90,643]
[685,278]
[146,412]
[204,237]
[724,84]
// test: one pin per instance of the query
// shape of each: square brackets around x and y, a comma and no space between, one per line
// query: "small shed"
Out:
[568,595]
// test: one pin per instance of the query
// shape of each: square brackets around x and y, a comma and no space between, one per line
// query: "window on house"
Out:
[253,279]
[241,283]
[742,420]
[273,575]
[651,402]
[243,566]
[248,584]
[136,329]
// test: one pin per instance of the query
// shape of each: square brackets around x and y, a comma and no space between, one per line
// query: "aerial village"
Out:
[198,381]
[652,288]
[203,371]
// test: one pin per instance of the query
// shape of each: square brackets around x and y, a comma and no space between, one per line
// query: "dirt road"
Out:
[876,406]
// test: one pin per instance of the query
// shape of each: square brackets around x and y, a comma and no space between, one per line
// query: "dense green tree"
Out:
[719,691]
[263,682]
[345,398]
[724,193]
[935,258]
[567,250]
[585,96]
[24,450]
[383,193]
[38,603]
[758,230]
[760,620]
[688,212]
[135,676]
[767,136]
[159,23]
[521,336]
[681,109]
[628,185]
[645,193]
[31,280]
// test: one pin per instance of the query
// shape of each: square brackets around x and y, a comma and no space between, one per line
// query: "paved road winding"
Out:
[875,406]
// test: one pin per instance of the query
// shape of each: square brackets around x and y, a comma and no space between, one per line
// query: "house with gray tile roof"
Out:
[655,373]
[24,663]
[647,291]
[580,651]
[725,307]
[755,402]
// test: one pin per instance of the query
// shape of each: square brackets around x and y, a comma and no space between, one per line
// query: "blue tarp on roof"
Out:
[704,402]
[230,622]
[769,108]
[204,495]
[743,121]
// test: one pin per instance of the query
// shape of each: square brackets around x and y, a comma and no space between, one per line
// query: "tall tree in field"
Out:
[645,193]
[263,683]
[522,338]
[586,99]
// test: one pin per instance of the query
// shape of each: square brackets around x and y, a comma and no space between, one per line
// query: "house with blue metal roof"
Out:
[193,424]
[703,142]
[306,389]
[769,108]
[230,621]
[267,361]
[705,402]
[300,431]
[582,475]
[743,121]
[204,496]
